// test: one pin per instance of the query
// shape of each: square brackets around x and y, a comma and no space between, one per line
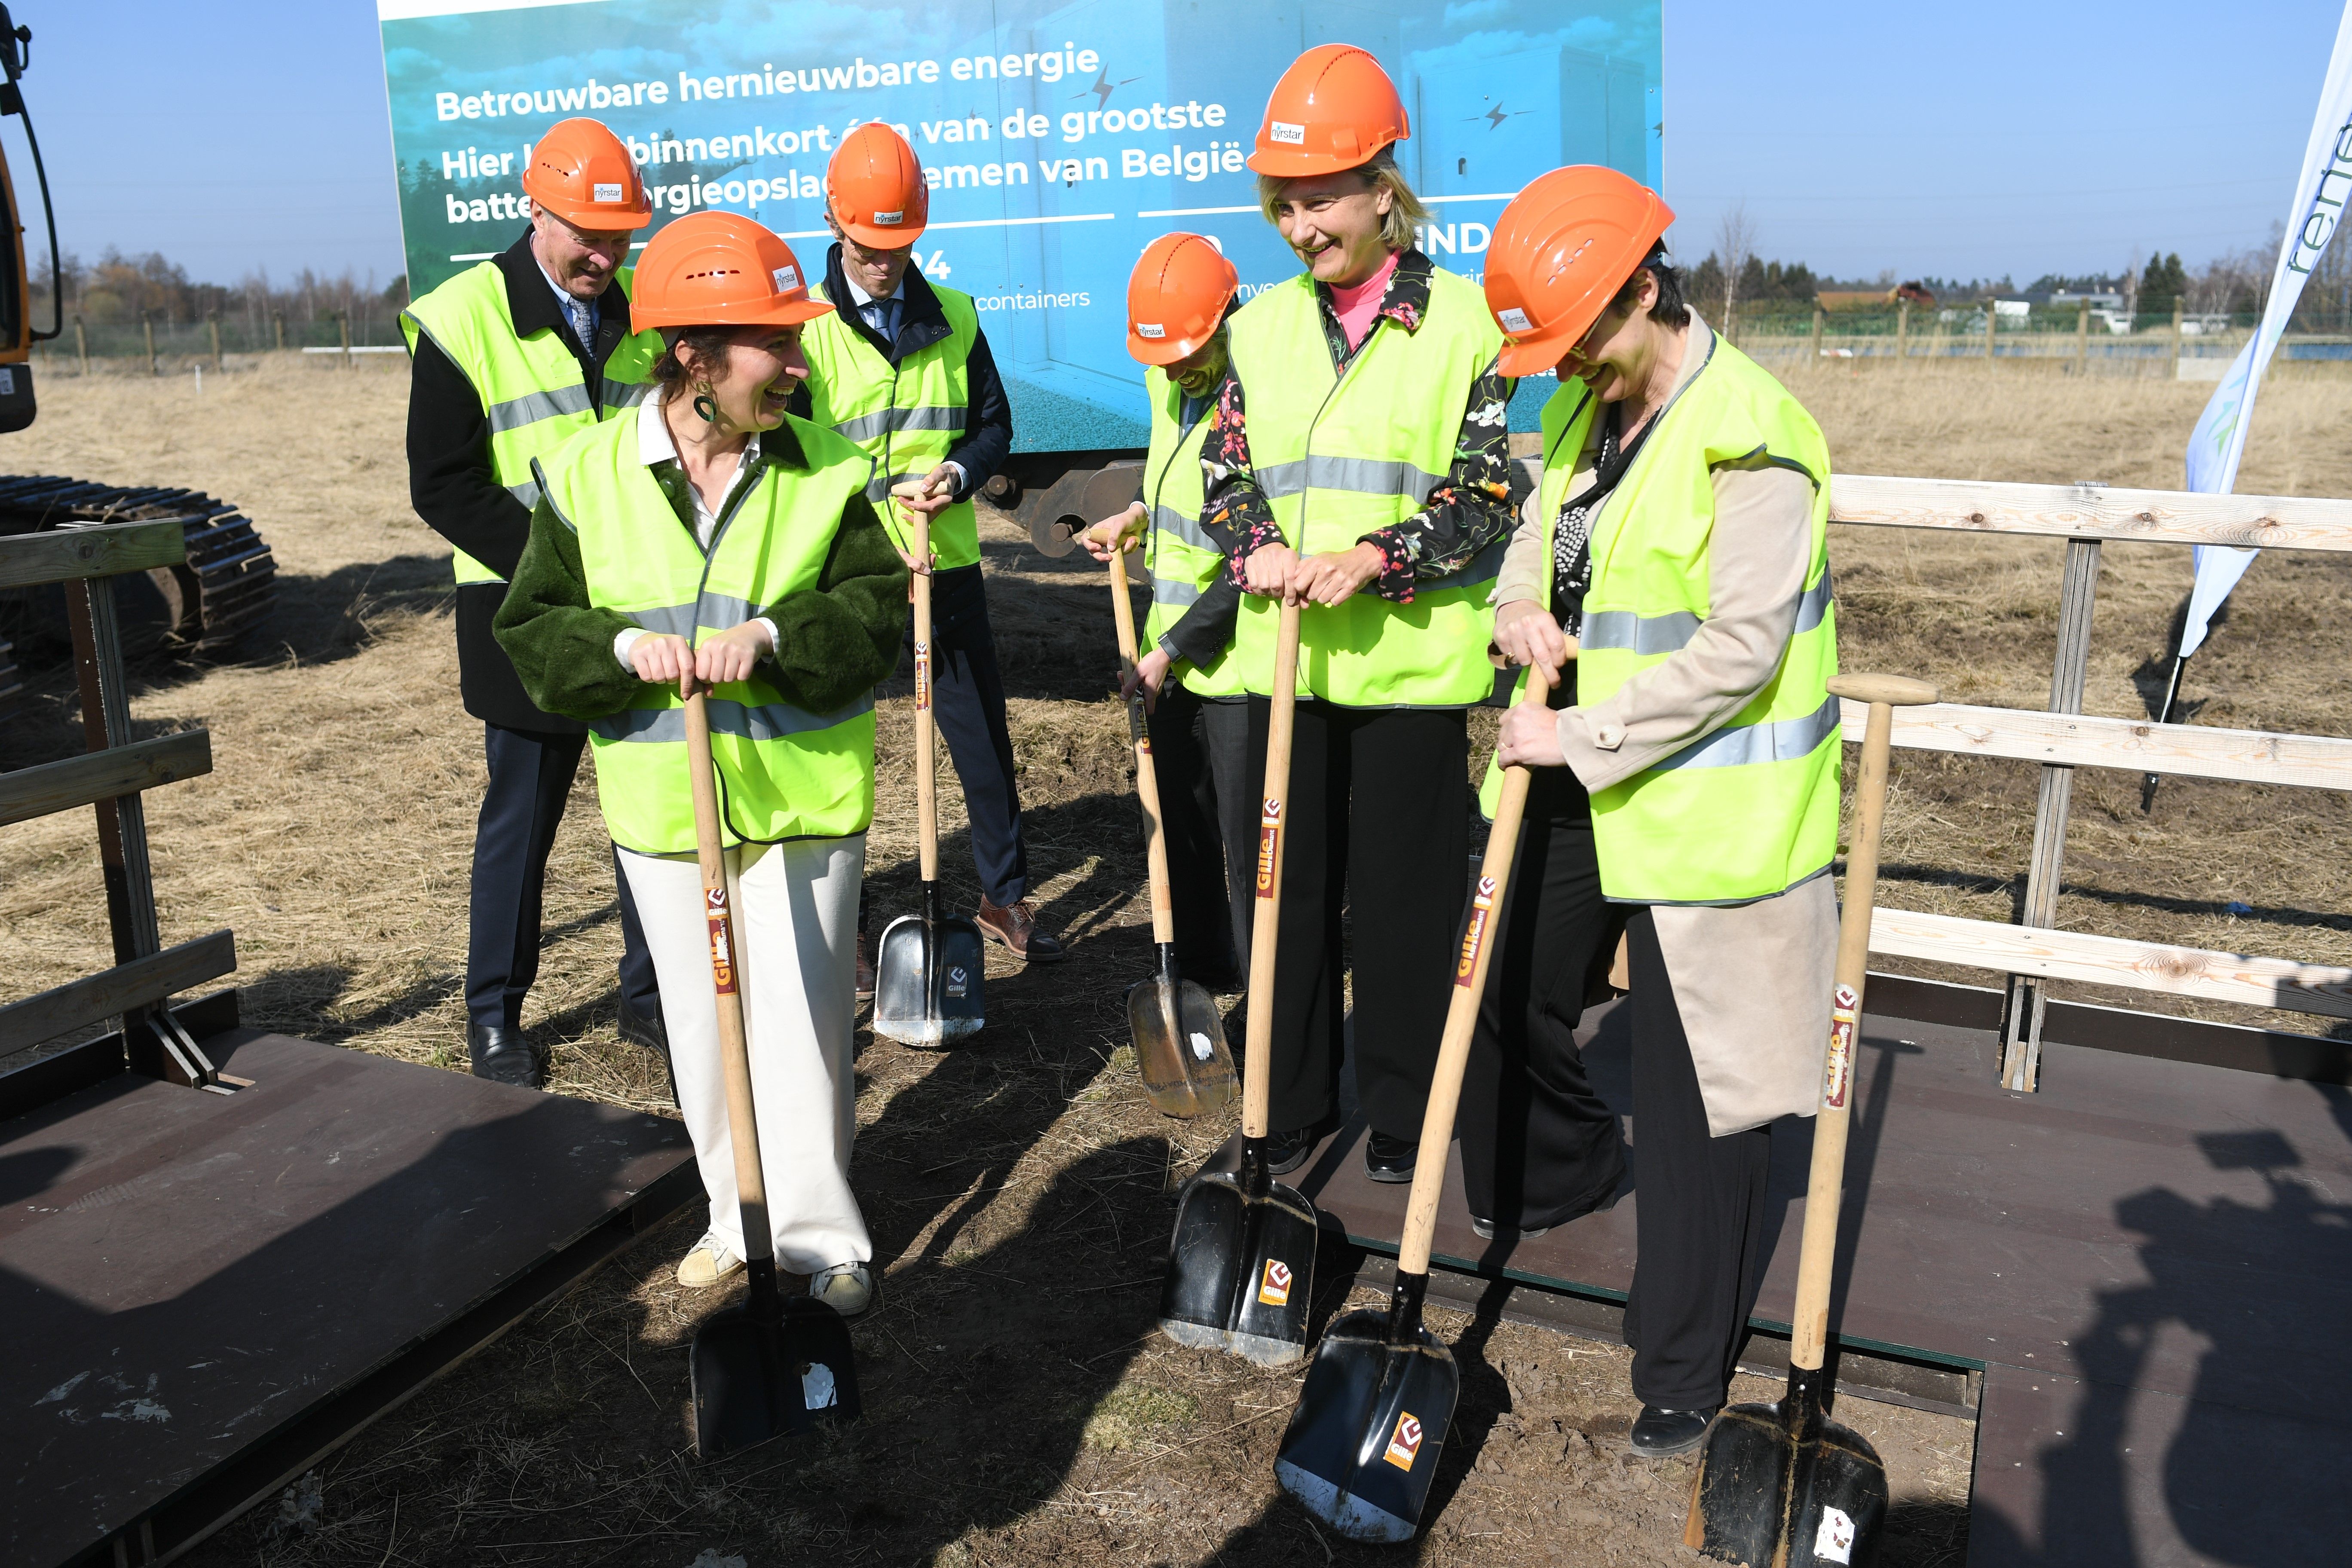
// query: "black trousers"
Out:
[1698,1206]
[531,779]
[1539,1146]
[1208,806]
[1378,831]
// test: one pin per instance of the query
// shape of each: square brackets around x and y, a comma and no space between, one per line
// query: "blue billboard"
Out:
[1059,140]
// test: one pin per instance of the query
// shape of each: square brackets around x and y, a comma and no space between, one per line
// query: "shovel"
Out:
[769,1366]
[1781,1483]
[1240,1264]
[1180,1041]
[1364,1442]
[929,971]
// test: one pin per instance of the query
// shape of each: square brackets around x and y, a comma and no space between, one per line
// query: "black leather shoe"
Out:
[503,1056]
[1388,1158]
[1661,1431]
[642,1028]
[1286,1151]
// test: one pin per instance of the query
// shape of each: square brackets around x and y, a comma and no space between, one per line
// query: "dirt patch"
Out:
[1022,1410]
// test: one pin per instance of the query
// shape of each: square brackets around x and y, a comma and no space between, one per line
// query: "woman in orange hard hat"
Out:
[1178,297]
[1671,577]
[1357,458]
[707,539]
[902,368]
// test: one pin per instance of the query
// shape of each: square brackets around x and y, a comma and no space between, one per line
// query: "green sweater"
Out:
[833,642]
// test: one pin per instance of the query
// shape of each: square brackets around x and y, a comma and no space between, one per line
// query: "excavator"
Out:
[203,605]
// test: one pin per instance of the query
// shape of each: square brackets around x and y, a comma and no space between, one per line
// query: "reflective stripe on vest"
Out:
[904,416]
[1340,453]
[784,771]
[1182,559]
[1750,809]
[531,389]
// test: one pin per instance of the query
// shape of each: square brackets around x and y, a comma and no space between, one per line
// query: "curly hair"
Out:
[708,345]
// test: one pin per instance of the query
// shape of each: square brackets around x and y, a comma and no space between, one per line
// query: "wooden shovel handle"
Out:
[1147,778]
[927,807]
[1257,1072]
[1817,1260]
[726,978]
[1462,1009]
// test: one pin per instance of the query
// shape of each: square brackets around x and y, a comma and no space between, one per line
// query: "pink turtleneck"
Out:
[1356,306]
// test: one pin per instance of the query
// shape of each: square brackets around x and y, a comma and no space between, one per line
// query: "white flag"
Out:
[2219,438]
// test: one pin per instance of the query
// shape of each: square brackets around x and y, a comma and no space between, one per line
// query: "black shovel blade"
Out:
[1241,1271]
[760,1374]
[1364,1442]
[1180,1047]
[929,981]
[1770,1492]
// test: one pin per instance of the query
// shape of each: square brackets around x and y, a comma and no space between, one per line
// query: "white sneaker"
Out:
[846,1288]
[709,1262]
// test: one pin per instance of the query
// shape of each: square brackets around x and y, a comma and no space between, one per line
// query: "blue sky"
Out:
[2003,137]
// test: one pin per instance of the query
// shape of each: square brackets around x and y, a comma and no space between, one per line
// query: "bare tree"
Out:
[1735,242]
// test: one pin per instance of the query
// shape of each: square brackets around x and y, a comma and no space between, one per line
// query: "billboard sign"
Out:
[1059,139]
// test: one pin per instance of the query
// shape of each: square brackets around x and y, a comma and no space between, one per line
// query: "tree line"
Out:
[124,290]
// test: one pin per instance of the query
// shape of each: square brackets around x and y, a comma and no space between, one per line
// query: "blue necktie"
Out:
[882,315]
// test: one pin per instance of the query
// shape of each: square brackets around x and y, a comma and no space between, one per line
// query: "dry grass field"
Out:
[1014,1419]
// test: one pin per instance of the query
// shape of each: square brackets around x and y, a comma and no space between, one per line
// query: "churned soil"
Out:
[1020,1408]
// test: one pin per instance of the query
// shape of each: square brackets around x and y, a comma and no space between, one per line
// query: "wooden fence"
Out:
[2063,738]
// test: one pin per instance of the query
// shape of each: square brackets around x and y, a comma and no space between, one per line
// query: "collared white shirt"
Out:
[654,446]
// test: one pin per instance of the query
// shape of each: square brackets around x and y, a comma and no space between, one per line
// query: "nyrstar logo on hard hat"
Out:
[1561,250]
[1334,108]
[579,172]
[704,270]
[1176,296]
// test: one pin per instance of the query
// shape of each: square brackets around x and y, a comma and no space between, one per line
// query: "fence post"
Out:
[2020,1042]
[343,326]
[154,365]
[212,321]
[1817,335]
[81,344]
[1903,329]
[2083,340]
[277,321]
[2175,340]
[1992,322]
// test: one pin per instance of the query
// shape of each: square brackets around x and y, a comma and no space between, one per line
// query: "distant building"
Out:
[1911,293]
[2098,301]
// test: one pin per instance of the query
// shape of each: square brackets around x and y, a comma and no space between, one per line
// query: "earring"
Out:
[708,406]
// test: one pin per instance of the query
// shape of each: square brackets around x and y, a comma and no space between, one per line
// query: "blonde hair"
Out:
[1405,216]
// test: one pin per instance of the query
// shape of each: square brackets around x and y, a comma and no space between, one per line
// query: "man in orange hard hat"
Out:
[512,357]
[902,368]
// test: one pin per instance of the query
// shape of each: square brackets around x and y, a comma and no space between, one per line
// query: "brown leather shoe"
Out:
[864,970]
[1015,925]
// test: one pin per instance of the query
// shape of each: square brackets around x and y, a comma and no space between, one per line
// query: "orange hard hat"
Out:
[1175,298]
[875,188]
[719,270]
[1560,252]
[579,172]
[1332,110]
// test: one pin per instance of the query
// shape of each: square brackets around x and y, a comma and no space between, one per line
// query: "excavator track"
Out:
[209,604]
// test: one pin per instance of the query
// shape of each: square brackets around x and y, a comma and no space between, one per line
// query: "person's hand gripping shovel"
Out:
[1180,1041]
[771,1365]
[1364,1442]
[1781,1483]
[930,972]
[1241,1263]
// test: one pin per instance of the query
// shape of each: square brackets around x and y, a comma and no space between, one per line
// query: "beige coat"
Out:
[1752,980]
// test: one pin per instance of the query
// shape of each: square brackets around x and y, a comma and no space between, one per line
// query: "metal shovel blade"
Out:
[1241,1269]
[1779,1484]
[1180,1047]
[929,981]
[1364,1442]
[770,1367]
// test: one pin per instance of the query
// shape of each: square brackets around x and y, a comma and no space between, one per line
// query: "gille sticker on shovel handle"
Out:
[1844,1012]
[1269,834]
[922,674]
[723,941]
[1473,936]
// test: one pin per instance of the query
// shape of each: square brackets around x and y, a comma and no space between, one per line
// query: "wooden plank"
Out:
[2320,988]
[2093,512]
[27,560]
[59,786]
[2194,750]
[139,982]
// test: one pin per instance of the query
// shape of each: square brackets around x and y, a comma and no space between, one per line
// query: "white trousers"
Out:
[795,939]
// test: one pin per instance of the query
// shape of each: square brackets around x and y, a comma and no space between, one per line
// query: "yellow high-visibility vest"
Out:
[1182,559]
